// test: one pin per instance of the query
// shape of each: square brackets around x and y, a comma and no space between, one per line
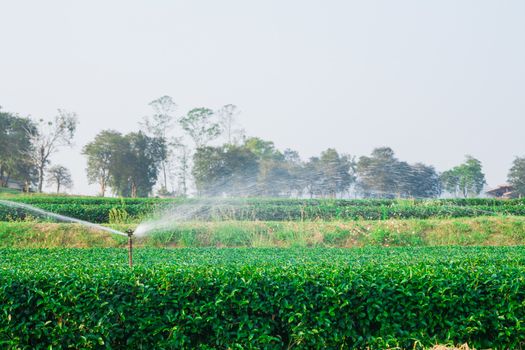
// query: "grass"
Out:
[49,235]
[485,231]
[9,191]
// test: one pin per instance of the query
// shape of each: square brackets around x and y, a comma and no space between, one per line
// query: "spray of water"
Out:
[176,214]
[59,217]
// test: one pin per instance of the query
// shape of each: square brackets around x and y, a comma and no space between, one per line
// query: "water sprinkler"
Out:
[130,247]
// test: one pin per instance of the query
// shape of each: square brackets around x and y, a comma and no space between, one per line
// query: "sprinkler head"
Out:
[129,232]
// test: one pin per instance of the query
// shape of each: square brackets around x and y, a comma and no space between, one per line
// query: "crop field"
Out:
[264,273]
[263,298]
[98,210]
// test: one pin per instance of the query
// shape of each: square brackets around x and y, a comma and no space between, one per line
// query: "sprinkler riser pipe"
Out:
[130,248]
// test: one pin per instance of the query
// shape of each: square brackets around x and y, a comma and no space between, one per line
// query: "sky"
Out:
[434,80]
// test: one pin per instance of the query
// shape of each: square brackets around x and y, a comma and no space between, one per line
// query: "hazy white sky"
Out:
[434,80]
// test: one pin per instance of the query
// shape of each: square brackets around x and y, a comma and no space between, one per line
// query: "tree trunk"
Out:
[6,184]
[165,177]
[40,178]
[102,188]
[133,190]
[58,187]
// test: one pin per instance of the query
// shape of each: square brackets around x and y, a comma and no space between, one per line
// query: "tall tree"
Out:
[51,136]
[294,166]
[226,170]
[129,164]
[421,181]
[466,179]
[59,176]
[383,175]
[100,154]
[516,176]
[201,126]
[337,172]
[16,149]
[228,120]
[311,177]
[377,174]
[182,155]
[158,125]
[142,158]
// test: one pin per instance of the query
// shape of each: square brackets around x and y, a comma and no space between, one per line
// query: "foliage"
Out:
[51,136]
[158,125]
[336,173]
[200,125]
[60,176]
[15,149]
[517,176]
[129,164]
[118,216]
[383,175]
[100,155]
[466,179]
[228,169]
[228,121]
[264,298]
[97,209]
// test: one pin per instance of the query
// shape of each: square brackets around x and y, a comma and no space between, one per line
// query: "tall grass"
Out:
[413,232]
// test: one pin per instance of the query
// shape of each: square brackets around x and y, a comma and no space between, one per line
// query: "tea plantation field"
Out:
[105,210]
[262,298]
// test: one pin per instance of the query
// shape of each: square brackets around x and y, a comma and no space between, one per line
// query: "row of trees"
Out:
[207,151]
[26,148]
[162,153]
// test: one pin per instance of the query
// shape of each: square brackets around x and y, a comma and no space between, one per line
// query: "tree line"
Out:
[206,152]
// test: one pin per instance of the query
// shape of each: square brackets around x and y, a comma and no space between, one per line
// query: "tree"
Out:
[100,153]
[294,166]
[337,172]
[158,125]
[516,176]
[226,170]
[383,175]
[135,169]
[228,120]
[129,164]
[377,174]
[262,149]
[200,126]
[424,182]
[279,173]
[182,155]
[466,179]
[51,136]
[60,176]
[310,177]
[15,149]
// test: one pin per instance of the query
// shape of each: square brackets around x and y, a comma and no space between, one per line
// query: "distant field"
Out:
[410,298]
[269,222]
[114,210]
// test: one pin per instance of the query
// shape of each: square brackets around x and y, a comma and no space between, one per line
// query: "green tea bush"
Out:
[98,209]
[263,298]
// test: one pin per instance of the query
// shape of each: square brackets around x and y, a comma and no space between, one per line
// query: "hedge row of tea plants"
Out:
[100,213]
[263,298]
[49,199]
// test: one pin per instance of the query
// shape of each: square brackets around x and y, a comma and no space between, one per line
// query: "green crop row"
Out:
[46,199]
[100,213]
[263,298]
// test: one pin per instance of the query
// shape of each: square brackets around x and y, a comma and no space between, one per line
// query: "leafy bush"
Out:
[98,209]
[263,298]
